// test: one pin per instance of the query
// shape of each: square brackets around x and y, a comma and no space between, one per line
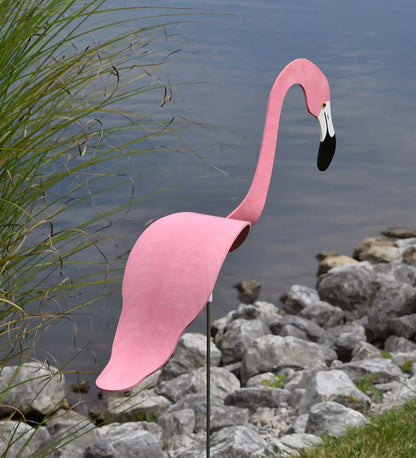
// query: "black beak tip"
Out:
[326,152]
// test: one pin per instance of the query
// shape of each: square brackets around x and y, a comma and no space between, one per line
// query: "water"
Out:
[367,54]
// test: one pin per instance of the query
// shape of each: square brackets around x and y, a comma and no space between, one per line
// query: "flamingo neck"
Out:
[302,72]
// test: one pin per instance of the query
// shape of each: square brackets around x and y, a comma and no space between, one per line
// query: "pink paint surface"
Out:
[173,267]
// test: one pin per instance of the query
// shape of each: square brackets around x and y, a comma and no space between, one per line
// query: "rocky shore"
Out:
[282,375]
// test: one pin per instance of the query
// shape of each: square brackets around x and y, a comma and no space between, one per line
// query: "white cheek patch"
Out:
[325,121]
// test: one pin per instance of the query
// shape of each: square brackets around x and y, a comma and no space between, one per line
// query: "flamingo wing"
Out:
[169,276]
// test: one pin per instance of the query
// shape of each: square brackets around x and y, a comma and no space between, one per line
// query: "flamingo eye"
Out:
[323,105]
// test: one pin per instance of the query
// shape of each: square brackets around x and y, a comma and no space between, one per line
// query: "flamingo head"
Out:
[317,96]
[328,140]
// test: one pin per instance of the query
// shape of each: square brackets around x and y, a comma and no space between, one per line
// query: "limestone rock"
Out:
[334,385]
[404,326]
[324,314]
[382,369]
[290,444]
[343,339]
[332,418]
[395,344]
[20,439]
[124,440]
[350,287]
[364,350]
[377,249]
[32,388]
[311,330]
[330,260]
[273,353]
[190,354]
[222,384]
[297,298]
[258,396]
[260,310]
[238,336]
[133,406]
[393,299]
[221,416]
[232,442]
[71,433]
[248,291]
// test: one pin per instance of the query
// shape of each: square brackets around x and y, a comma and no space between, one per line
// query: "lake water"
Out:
[367,51]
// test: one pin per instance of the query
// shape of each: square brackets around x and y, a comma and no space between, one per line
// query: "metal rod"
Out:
[208,426]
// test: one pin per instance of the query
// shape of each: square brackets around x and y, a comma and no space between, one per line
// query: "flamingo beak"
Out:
[328,140]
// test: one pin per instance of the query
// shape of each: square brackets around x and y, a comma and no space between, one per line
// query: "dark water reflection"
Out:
[367,52]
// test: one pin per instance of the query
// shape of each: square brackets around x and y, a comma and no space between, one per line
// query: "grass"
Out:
[389,435]
[65,143]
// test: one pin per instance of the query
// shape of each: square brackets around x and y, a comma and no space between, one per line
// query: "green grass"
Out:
[389,435]
[61,93]
[65,143]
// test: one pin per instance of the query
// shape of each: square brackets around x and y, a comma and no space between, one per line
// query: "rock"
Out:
[382,369]
[311,330]
[291,444]
[174,423]
[297,298]
[288,330]
[124,440]
[393,299]
[20,439]
[218,326]
[274,353]
[260,310]
[221,416]
[343,339]
[396,394]
[222,384]
[190,354]
[134,406]
[329,260]
[400,233]
[258,396]
[402,358]
[377,249]
[248,291]
[238,336]
[364,350]
[262,379]
[332,418]
[34,389]
[232,442]
[181,443]
[350,287]
[334,385]
[395,272]
[395,344]
[404,326]
[324,314]
[71,433]
[299,425]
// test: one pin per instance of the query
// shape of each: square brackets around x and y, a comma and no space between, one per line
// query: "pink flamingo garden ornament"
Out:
[173,267]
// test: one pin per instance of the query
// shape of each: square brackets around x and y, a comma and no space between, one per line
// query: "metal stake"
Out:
[208,418]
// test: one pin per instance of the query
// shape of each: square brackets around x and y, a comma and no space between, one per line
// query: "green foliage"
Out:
[278,382]
[389,435]
[407,367]
[366,385]
[386,354]
[59,98]
[60,95]
[147,416]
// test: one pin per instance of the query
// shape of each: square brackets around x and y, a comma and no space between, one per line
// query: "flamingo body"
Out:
[173,267]
[164,276]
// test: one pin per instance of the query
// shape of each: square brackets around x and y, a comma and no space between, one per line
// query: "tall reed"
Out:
[61,88]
